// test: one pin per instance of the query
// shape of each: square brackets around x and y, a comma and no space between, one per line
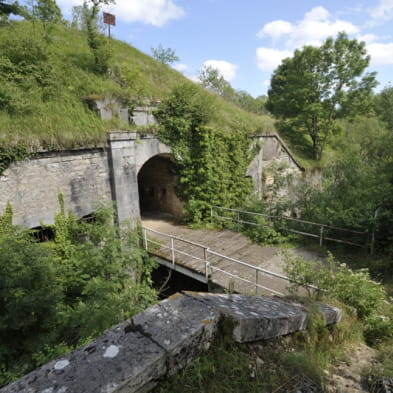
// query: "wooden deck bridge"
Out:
[220,258]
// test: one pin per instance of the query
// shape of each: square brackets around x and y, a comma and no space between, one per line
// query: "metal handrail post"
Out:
[256,281]
[145,237]
[173,251]
[321,236]
[206,264]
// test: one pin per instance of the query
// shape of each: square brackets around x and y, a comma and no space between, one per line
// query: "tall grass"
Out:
[59,117]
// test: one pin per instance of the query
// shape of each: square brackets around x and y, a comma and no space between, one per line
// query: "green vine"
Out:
[9,155]
[212,163]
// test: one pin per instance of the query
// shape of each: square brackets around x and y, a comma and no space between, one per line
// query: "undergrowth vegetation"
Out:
[57,295]
[354,288]
[279,365]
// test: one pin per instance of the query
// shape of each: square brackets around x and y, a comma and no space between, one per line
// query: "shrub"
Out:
[353,288]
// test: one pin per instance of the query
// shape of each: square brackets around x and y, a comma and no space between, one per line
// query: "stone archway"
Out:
[157,184]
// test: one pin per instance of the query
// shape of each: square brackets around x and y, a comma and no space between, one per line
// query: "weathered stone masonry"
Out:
[33,186]
[85,178]
[88,177]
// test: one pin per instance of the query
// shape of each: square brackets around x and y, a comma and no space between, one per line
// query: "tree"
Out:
[384,106]
[48,12]
[319,85]
[165,55]
[7,8]
[212,80]
[56,295]
[95,41]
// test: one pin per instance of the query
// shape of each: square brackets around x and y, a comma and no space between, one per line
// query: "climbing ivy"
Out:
[212,163]
[11,154]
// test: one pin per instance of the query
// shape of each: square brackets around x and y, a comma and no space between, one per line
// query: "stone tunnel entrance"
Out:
[157,183]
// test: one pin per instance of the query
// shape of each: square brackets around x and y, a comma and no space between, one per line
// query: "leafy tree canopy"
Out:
[384,106]
[57,295]
[47,11]
[212,80]
[164,55]
[7,8]
[319,85]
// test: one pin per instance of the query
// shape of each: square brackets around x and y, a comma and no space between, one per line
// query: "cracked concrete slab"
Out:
[133,356]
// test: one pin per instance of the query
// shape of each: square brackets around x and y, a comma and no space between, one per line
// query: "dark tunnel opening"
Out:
[157,184]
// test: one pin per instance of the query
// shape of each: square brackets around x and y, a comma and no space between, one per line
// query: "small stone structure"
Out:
[135,355]
[139,115]
[273,159]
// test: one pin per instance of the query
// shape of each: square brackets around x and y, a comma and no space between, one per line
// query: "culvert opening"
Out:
[158,184]
[167,282]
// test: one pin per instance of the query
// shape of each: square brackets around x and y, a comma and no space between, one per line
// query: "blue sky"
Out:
[247,39]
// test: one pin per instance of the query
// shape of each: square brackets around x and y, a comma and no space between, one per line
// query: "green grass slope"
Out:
[47,84]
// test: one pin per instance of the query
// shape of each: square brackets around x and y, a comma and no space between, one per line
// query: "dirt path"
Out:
[347,375]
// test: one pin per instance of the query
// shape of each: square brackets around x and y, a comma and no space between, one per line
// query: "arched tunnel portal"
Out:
[157,184]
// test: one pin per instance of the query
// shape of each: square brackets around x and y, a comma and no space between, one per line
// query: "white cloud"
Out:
[383,12]
[180,67]
[66,5]
[153,12]
[316,26]
[276,29]
[381,54]
[226,70]
[367,38]
[313,29]
[268,59]
[193,78]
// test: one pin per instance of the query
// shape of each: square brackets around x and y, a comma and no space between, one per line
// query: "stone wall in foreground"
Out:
[134,356]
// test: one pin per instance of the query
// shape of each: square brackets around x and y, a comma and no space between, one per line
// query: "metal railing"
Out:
[321,228]
[207,259]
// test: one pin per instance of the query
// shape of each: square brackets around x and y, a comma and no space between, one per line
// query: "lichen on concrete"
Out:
[135,355]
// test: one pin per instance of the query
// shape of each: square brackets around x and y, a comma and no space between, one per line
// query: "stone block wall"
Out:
[32,186]
[86,178]
[89,177]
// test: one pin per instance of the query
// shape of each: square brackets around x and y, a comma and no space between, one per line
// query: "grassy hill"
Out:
[47,83]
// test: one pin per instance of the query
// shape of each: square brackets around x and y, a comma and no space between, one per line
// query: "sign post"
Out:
[109,19]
